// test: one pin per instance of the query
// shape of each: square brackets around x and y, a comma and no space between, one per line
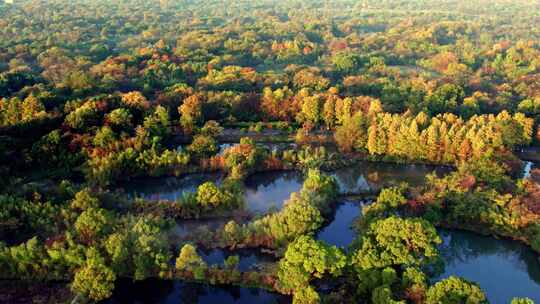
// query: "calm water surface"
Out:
[371,176]
[169,188]
[249,259]
[268,191]
[340,232]
[174,292]
[504,269]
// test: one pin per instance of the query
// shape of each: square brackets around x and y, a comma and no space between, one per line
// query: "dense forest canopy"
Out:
[97,94]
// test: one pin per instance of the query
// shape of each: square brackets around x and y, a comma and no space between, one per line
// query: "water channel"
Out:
[504,269]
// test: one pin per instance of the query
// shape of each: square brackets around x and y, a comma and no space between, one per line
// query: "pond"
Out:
[263,191]
[268,191]
[340,231]
[503,269]
[372,176]
[168,188]
[168,292]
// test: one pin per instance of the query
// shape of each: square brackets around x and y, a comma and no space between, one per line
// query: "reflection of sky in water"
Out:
[265,191]
[528,167]
[339,232]
[503,269]
[168,292]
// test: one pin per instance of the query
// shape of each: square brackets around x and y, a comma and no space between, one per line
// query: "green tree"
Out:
[306,258]
[189,260]
[297,217]
[138,248]
[149,248]
[231,262]
[454,290]
[397,241]
[104,137]
[209,195]
[211,128]
[233,232]
[84,200]
[345,62]
[83,116]
[446,98]
[325,187]
[120,117]
[306,295]
[23,261]
[94,280]
[203,146]
[118,248]
[92,224]
[383,295]
[158,122]
[391,197]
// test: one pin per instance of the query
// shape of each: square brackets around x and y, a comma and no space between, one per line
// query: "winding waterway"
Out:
[504,269]
[339,231]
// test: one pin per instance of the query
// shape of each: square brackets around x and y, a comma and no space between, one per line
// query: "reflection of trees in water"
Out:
[249,258]
[157,291]
[147,291]
[234,292]
[462,247]
[267,179]
[190,293]
[266,192]
[207,294]
[374,175]
[153,188]
[351,179]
